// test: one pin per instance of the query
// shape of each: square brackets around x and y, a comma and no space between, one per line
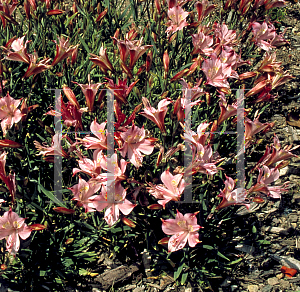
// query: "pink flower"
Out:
[83,193]
[171,190]
[157,116]
[10,179]
[216,72]
[177,19]
[121,91]
[19,52]
[11,227]
[275,154]
[225,37]
[9,114]
[183,228]
[202,43]
[114,199]
[232,196]
[112,165]
[89,91]
[133,49]
[36,68]
[102,61]
[227,110]
[54,149]
[203,9]
[96,143]
[90,167]
[254,127]
[266,177]
[202,161]
[135,143]
[180,106]
[262,33]
[198,138]
[63,50]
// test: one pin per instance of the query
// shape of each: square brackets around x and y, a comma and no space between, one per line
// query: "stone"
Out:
[139,289]
[280,276]
[252,288]
[273,281]
[293,218]
[296,199]
[284,284]
[267,288]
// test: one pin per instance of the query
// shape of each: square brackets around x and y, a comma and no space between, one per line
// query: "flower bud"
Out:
[128,222]
[63,210]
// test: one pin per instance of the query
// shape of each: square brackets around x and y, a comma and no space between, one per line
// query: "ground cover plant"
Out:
[120,133]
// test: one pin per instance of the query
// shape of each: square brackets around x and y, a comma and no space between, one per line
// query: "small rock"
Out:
[278,230]
[296,199]
[234,287]
[294,225]
[245,248]
[252,288]
[226,283]
[293,218]
[273,281]
[267,288]
[284,284]
[280,276]
[139,289]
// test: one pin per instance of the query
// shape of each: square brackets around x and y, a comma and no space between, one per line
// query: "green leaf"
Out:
[183,278]
[178,272]
[49,194]
[222,256]
[84,44]
[208,247]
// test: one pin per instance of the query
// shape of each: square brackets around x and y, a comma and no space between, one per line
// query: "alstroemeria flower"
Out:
[227,110]
[10,179]
[202,43]
[216,72]
[113,198]
[198,138]
[232,196]
[9,114]
[201,162]
[180,107]
[265,178]
[157,116]
[36,68]
[275,153]
[12,227]
[91,167]
[177,19]
[203,9]
[120,90]
[135,143]
[102,61]
[54,149]
[63,50]
[70,114]
[134,49]
[89,91]
[19,51]
[171,190]
[84,194]
[96,143]
[254,127]
[183,228]
[224,37]
[262,33]
[112,165]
